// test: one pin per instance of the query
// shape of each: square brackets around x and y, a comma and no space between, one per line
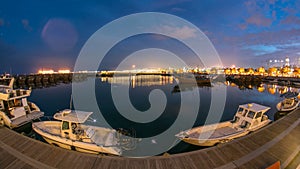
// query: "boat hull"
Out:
[282,109]
[212,142]
[69,146]
[223,139]
[81,146]
[16,123]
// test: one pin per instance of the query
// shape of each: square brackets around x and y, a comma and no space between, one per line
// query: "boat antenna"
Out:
[71,99]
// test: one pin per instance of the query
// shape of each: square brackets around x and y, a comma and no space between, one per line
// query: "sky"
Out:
[50,34]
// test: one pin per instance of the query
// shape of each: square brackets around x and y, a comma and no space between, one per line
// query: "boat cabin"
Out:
[14,102]
[250,116]
[71,121]
[288,102]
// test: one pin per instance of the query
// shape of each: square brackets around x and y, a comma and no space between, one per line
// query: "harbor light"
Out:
[64,71]
[50,71]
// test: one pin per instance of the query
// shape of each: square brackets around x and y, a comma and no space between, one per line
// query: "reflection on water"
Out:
[262,87]
[58,98]
[139,80]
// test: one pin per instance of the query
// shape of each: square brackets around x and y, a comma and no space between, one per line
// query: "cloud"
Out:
[161,4]
[259,12]
[243,26]
[262,49]
[1,22]
[267,37]
[259,20]
[291,20]
[26,25]
[274,13]
[272,2]
[184,32]
[178,9]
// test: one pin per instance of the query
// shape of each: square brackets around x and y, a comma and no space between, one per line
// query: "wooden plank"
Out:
[261,161]
[16,164]
[203,159]
[53,158]
[217,157]
[207,158]
[6,159]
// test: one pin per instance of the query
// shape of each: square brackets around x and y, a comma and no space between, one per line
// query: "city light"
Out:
[64,71]
[50,71]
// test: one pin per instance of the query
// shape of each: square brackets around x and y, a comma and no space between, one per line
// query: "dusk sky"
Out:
[49,34]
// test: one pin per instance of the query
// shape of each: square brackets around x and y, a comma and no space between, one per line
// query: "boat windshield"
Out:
[245,124]
[235,119]
[65,125]
[245,112]
[258,115]
[240,110]
[251,114]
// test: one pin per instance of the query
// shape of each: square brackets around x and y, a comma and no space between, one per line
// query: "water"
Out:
[52,99]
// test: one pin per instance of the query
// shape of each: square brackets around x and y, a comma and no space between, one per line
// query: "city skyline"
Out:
[36,34]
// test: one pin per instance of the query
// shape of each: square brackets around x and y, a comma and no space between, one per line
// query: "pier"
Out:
[45,80]
[277,143]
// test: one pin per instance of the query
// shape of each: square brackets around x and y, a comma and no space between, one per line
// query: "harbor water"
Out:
[54,98]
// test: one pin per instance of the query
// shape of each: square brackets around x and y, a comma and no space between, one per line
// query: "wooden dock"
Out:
[277,142]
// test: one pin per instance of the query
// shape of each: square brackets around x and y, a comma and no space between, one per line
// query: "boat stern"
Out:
[181,135]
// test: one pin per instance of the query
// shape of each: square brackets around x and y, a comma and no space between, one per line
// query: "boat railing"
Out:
[91,134]
[47,118]
[20,92]
[245,125]
[127,139]
[264,118]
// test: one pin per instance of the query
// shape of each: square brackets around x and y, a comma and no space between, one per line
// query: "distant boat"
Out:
[296,83]
[291,102]
[274,81]
[69,132]
[249,117]
[15,110]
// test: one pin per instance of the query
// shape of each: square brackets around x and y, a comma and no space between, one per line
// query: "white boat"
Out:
[70,133]
[249,117]
[15,110]
[291,102]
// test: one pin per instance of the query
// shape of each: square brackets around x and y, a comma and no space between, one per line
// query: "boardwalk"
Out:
[276,142]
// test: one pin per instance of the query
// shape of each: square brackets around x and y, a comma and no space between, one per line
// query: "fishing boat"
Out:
[70,132]
[291,102]
[248,118]
[15,110]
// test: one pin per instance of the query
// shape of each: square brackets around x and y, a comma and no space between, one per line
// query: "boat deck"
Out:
[101,137]
[278,141]
[25,119]
[220,132]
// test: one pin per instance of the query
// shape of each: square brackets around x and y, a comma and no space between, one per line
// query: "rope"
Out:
[176,141]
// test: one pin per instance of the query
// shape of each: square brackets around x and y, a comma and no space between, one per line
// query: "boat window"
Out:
[240,110]
[251,114]
[264,118]
[245,124]
[65,125]
[245,112]
[11,103]
[235,119]
[17,103]
[258,115]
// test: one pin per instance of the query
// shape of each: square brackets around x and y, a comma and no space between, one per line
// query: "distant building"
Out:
[298,62]
[279,62]
[287,61]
